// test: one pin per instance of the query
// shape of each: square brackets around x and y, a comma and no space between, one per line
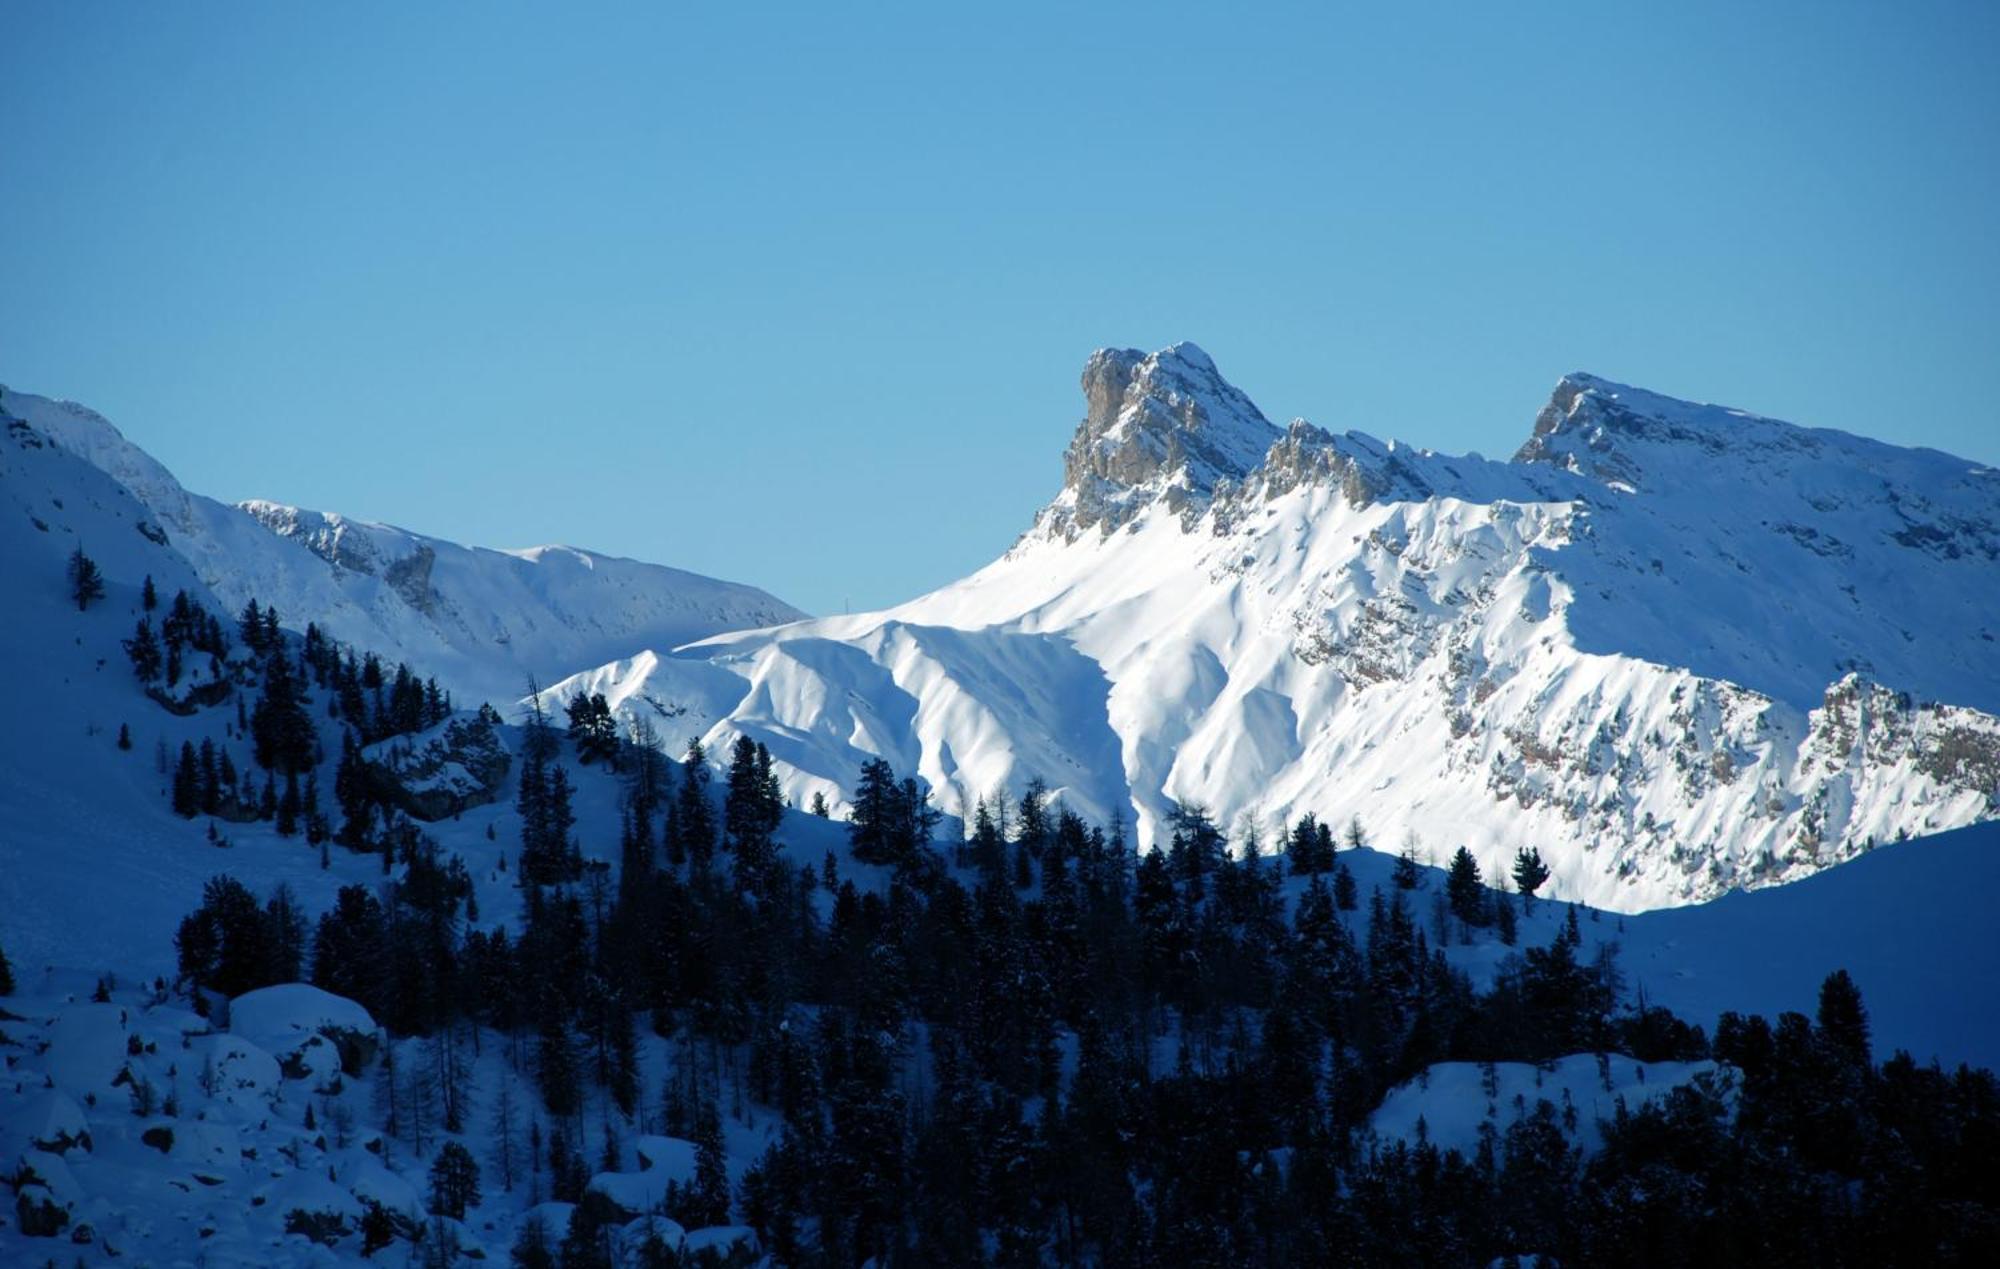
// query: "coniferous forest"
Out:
[1032,1044]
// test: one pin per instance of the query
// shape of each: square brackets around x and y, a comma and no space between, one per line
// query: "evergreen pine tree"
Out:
[250,626]
[1529,873]
[871,819]
[1462,889]
[289,806]
[280,725]
[506,1133]
[623,1042]
[749,815]
[694,818]
[531,1249]
[591,727]
[143,648]
[556,1066]
[378,1229]
[187,783]
[1346,894]
[454,1181]
[86,581]
[149,599]
[1302,847]
[285,924]
[350,949]
[6,974]
[709,1203]
[1843,1019]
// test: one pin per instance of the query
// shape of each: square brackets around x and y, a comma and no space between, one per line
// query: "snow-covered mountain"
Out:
[482,621]
[263,1135]
[1679,648]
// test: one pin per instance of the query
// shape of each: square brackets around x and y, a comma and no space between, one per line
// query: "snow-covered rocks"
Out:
[668,1158]
[460,763]
[304,1028]
[49,1122]
[236,1071]
[1161,426]
[372,1183]
[664,1162]
[276,1016]
[314,1206]
[87,1049]
[1677,648]
[722,1240]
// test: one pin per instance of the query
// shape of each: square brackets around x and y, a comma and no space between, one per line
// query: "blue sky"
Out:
[798,296]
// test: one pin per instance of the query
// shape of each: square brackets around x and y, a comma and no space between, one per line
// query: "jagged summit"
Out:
[1163,426]
[1676,647]
[1597,429]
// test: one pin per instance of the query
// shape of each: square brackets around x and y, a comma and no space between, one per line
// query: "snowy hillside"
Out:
[304,1127]
[1679,648]
[482,621]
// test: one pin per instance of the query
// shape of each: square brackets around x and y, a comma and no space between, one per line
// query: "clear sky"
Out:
[798,296]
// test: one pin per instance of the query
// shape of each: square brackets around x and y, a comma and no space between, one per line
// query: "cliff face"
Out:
[1678,648]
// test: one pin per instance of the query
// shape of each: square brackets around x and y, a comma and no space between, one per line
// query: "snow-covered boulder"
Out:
[663,1162]
[86,1049]
[553,1216]
[671,1157]
[205,1144]
[719,1239]
[631,1193]
[303,1027]
[47,1121]
[235,1071]
[311,1205]
[46,1193]
[371,1182]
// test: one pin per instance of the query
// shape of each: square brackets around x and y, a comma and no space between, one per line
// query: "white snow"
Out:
[282,1016]
[1452,1100]
[1709,669]
[482,621]
[665,1158]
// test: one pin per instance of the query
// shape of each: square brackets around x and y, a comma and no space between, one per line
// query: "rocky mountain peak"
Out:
[1162,426]
[1630,438]
[1578,430]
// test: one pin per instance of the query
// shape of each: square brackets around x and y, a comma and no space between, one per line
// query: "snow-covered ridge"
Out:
[482,621]
[1679,648]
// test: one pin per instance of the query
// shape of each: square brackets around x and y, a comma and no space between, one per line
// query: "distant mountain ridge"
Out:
[483,621]
[1679,648]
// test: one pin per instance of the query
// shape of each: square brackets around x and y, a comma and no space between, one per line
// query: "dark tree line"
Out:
[281,676]
[1036,1045]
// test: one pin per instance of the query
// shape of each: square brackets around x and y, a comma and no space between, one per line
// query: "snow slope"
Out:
[95,869]
[482,621]
[1677,647]
[1451,1101]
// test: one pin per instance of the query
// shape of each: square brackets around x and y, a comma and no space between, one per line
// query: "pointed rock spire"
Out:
[1158,427]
